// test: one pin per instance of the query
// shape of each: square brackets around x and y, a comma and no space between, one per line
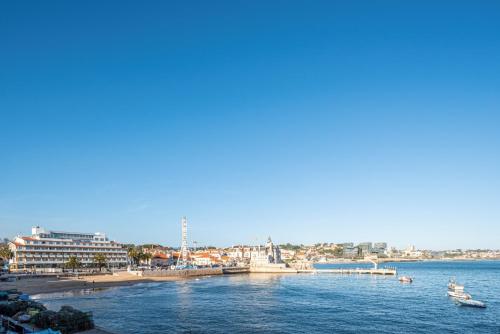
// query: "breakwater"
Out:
[384,271]
[263,269]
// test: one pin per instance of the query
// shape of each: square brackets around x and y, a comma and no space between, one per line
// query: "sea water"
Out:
[301,303]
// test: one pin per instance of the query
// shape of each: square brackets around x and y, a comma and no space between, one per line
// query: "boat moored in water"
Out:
[471,303]
[405,279]
[461,297]
[456,290]
[459,294]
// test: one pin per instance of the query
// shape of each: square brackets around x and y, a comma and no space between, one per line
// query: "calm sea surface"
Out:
[301,303]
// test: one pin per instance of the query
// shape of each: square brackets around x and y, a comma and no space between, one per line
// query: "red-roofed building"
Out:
[162,260]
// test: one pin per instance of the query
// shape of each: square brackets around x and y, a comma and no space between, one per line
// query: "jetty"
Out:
[352,271]
[375,270]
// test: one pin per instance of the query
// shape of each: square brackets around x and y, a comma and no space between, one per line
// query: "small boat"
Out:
[459,295]
[452,285]
[405,279]
[471,303]
[456,290]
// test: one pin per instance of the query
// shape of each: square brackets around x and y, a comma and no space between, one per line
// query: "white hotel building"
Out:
[50,250]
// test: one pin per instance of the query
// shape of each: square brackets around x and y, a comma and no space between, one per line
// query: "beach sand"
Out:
[52,284]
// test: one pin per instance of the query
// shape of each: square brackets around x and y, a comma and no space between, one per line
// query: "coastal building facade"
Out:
[162,260]
[365,248]
[263,256]
[48,250]
[350,252]
[268,259]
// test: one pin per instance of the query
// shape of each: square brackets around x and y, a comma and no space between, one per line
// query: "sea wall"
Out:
[236,270]
[182,273]
[272,268]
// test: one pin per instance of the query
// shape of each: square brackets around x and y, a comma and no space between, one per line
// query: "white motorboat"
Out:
[471,303]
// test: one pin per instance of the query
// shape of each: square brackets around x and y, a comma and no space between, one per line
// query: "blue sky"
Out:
[310,122]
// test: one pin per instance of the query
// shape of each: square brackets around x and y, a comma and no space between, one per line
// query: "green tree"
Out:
[5,252]
[289,246]
[100,260]
[135,254]
[73,263]
[338,251]
[146,257]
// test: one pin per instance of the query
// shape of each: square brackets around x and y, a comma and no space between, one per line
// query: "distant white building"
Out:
[49,250]
[236,253]
[412,252]
[270,254]
[379,247]
[239,253]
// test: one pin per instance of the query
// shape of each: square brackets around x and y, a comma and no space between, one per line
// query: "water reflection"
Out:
[68,294]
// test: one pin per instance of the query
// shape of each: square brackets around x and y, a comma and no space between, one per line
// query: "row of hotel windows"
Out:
[114,249]
[21,254]
[60,258]
[38,242]
[62,261]
[66,236]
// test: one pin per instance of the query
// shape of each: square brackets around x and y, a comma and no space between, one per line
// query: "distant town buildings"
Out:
[48,250]
[365,248]
[412,252]
[379,248]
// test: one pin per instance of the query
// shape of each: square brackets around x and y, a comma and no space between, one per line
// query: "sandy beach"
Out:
[52,284]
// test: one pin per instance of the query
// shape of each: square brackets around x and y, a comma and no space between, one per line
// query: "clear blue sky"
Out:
[307,121]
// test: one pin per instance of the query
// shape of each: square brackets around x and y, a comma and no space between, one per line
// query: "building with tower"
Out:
[268,259]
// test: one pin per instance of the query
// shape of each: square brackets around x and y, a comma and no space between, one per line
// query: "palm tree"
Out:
[146,257]
[135,254]
[100,260]
[73,263]
[132,254]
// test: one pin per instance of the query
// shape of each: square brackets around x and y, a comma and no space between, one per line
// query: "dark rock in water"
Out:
[67,320]
[11,308]
[46,319]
